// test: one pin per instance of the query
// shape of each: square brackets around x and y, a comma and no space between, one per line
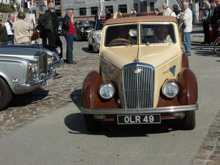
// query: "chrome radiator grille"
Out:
[43,63]
[138,85]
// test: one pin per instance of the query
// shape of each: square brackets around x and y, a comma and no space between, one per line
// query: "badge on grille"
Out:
[138,70]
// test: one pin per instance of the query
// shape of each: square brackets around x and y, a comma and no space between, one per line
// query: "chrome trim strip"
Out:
[170,109]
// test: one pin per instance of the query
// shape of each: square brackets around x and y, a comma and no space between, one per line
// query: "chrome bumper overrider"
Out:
[25,88]
[171,109]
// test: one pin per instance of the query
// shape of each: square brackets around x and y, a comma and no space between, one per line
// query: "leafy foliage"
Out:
[5,8]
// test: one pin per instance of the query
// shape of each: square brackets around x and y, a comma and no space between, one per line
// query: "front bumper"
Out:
[26,88]
[171,109]
[59,64]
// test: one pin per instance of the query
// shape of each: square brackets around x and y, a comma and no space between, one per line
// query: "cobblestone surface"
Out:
[66,87]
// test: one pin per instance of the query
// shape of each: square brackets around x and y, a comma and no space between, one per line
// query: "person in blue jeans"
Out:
[186,16]
[68,31]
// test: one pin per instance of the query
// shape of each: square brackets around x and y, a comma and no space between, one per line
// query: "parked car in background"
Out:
[82,28]
[60,32]
[22,70]
[144,75]
[51,50]
[94,37]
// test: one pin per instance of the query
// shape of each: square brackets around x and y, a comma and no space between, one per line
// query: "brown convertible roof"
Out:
[141,19]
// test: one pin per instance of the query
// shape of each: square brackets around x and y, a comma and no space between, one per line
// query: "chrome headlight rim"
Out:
[82,30]
[58,50]
[170,89]
[106,91]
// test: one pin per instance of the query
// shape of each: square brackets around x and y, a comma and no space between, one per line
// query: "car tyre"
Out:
[189,121]
[95,49]
[92,125]
[5,94]
[89,46]
[80,38]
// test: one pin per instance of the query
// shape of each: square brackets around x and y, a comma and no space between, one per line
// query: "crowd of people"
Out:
[18,32]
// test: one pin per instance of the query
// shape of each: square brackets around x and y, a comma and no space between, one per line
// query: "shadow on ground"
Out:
[75,122]
[23,100]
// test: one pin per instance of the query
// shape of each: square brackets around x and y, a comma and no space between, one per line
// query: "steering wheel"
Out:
[119,39]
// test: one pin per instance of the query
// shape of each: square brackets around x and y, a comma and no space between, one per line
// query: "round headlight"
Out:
[170,89]
[58,50]
[82,30]
[106,91]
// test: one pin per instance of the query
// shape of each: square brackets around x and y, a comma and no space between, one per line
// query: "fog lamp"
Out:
[100,116]
[178,114]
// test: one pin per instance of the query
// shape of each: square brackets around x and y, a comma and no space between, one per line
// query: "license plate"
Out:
[139,119]
[49,82]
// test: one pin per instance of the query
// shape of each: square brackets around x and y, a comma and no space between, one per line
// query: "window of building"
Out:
[152,6]
[110,8]
[136,7]
[82,11]
[144,6]
[123,8]
[94,10]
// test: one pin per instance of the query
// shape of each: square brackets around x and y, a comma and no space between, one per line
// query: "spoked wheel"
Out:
[5,94]
[92,125]
[217,46]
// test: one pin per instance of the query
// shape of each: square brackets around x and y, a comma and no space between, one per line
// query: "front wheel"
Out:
[95,49]
[189,121]
[5,94]
[217,46]
[92,124]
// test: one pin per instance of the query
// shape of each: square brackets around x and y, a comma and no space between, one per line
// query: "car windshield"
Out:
[121,35]
[157,34]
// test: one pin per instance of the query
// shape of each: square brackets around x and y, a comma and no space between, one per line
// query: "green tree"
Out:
[5,8]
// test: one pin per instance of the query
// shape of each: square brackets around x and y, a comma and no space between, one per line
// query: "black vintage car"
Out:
[82,28]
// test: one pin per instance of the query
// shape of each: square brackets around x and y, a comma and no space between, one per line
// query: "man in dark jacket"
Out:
[98,16]
[3,31]
[108,14]
[50,22]
[68,31]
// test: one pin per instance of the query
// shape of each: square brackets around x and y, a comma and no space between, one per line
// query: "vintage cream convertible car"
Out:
[144,75]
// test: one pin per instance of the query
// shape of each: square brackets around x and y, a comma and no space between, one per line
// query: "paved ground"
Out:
[67,88]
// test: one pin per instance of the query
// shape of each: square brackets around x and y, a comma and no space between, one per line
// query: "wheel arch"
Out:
[188,89]
[90,96]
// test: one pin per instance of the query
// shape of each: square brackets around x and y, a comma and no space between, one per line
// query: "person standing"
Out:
[133,12]
[108,14]
[43,33]
[68,31]
[98,16]
[187,20]
[50,22]
[205,18]
[167,11]
[157,12]
[216,18]
[8,25]
[117,14]
[22,29]
[213,6]
[3,31]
